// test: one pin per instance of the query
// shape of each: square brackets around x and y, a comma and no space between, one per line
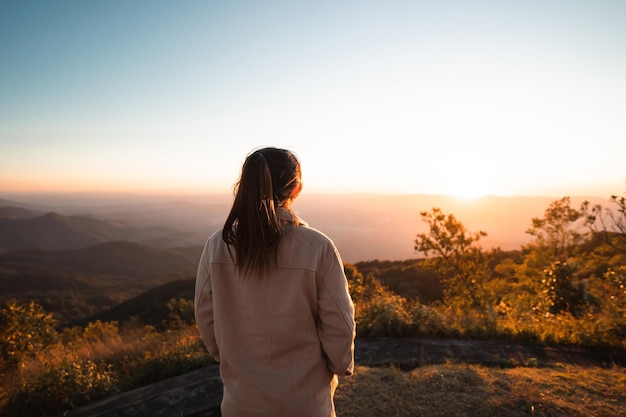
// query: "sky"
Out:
[462,98]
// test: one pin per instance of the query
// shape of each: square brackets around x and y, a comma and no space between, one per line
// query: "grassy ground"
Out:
[102,360]
[470,390]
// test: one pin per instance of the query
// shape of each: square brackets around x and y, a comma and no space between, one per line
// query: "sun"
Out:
[466,193]
[465,188]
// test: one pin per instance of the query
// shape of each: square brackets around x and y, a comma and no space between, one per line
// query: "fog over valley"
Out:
[363,226]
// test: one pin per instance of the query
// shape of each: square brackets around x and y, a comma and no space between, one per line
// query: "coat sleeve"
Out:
[203,306]
[336,326]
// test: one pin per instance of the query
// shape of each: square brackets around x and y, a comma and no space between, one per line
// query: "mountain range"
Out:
[21,228]
[84,255]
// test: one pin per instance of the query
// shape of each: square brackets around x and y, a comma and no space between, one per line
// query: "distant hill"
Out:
[53,231]
[151,306]
[117,259]
[13,203]
[78,283]
[14,212]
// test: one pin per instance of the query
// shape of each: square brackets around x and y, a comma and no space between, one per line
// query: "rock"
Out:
[197,393]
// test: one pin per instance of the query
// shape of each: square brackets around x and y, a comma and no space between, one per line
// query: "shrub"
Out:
[170,353]
[564,295]
[63,386]
[385,315]
[24,329]
[180,313]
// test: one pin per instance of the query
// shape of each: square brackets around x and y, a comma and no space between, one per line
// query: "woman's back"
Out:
[282,332]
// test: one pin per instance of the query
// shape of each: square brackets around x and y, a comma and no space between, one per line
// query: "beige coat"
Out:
[282,339]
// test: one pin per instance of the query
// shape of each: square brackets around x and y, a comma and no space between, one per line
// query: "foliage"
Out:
[566,287]
[563,293]
[551,262]
[609,293]
[557,234]
[99,331]
[180,313]
[412,279]
[378,311]
[24,329]
[165,354]
[455,253]
[63,385]
[84,364]
[605,220]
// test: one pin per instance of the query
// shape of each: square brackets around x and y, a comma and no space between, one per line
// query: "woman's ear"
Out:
[296,191]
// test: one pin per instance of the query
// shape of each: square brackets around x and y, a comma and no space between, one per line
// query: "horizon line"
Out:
[190,193]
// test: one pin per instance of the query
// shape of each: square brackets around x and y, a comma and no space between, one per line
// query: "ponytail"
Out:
[267,178]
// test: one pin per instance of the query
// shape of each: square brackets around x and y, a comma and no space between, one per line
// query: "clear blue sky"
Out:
[465,97]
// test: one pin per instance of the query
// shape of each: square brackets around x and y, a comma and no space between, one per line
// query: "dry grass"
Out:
[469,390]
[129,349]
[95,363]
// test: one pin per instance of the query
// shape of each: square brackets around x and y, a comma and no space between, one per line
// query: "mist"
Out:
[363,226]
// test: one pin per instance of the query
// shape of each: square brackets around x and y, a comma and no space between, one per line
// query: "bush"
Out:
[180,313]
[24,329]
[564,295]
[171,353]
[64,385]
[385,315]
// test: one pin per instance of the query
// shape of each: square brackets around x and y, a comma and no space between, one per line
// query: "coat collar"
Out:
[289,218]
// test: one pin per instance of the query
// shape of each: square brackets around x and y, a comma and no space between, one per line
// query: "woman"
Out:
[272,302]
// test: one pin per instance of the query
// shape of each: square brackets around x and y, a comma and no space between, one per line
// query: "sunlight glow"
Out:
[463,101]
[465,188]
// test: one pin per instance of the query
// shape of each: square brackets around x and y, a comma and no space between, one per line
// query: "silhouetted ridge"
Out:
[122,259]
[133,259]
[53,231]
[13,212]
[151,306]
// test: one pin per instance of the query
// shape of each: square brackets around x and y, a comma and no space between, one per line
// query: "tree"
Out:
[619,221]
[554,255]
[609,225]
[557,233]
[455,253]
[605,264]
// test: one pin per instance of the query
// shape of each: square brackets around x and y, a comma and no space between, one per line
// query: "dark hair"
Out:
[268,177]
